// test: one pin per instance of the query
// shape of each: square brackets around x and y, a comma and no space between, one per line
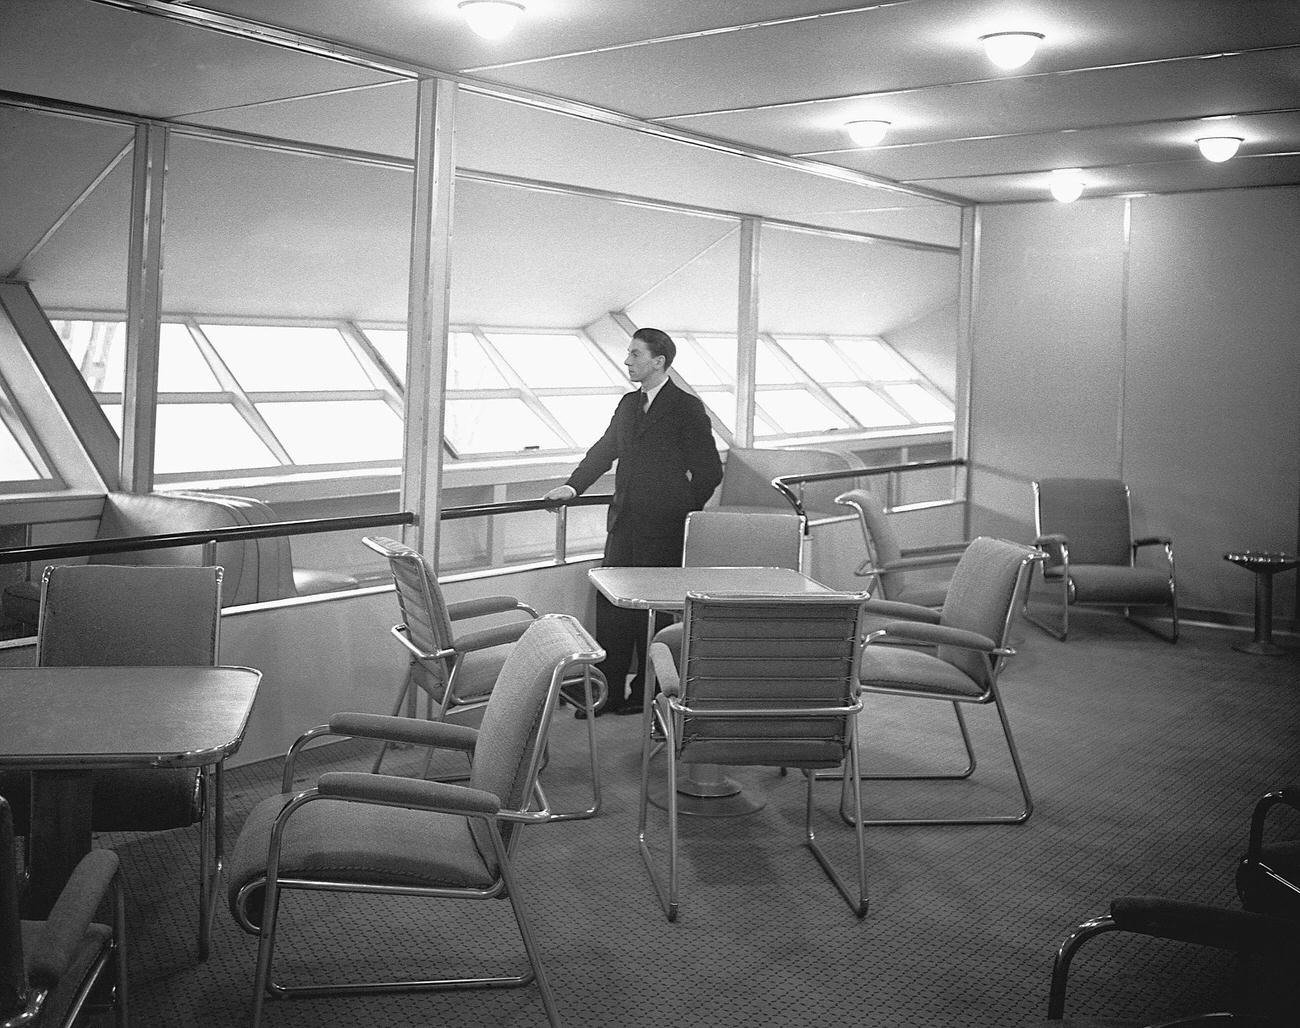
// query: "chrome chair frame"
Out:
[885,568]
[1056,570]
[434,796]
[415,585]
[96,874]
[673,709]
[209,787]
[923,627]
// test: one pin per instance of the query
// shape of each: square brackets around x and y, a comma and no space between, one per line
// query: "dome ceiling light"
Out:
[1219,148]
[491,19]
[868,132]
[1011,49]
[1066,184]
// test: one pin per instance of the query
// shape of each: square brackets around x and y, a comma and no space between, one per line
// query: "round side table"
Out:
[1264,565]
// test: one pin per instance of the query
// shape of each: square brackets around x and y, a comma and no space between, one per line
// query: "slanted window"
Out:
[236,398]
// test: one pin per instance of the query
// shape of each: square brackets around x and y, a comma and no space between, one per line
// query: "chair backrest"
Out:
[984,596]
[419,597]
[736,539]
[103,615]
[13,979]
[882,543]
[516,720]
[1093,515]
[783,654]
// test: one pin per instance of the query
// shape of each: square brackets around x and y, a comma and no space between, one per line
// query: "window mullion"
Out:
[238,398]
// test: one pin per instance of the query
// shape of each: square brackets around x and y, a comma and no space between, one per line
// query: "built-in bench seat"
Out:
[255,570]
[747,483]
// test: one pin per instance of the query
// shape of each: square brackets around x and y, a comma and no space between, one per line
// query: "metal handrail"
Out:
[207,537]
[782,483]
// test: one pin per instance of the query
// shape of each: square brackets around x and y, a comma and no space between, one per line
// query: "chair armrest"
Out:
[911,560]
[1153,540]
[412,730]
[665,668]
[499,635]
[938,635]
[65,928]
[1056,546]
[952,550]
[897,609]
[1288,797]
[1206,925]
[390,790]
[485,605]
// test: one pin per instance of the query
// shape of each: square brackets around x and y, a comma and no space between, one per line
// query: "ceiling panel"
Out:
[767,78]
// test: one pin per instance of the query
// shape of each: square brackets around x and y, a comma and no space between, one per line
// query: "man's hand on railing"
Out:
[560,494]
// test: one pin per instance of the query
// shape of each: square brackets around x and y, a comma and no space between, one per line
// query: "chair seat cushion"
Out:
[126,799]
[478,672]
[910,670]
[145,799]
[920,593]
[1109,583]
[357,842]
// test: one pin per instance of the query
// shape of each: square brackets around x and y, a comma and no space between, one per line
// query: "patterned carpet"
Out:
[1144,761]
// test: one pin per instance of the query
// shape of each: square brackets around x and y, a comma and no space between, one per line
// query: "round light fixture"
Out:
[1011,49]
[491,19]
[868,132]
[1066,184]
[1219,148]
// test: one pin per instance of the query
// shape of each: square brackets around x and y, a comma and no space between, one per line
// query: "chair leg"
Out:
[965,772]
[1027,802]
[404,696]
[851,779]
[667,895]
[1061,964]
[590,703]
[1046,626]
[121,1005]
[525,932]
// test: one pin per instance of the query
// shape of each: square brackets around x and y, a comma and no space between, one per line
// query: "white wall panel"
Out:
[1212,421]
[1177,373]
[1048,349]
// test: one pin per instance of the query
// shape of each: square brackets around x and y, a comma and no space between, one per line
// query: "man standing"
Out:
[667,467]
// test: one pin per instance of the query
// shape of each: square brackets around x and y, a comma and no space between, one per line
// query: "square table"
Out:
[705,791]
[61,723]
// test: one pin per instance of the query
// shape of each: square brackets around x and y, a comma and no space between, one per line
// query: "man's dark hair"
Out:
[660,344]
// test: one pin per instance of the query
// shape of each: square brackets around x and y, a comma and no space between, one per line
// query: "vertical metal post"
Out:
[143,308]
[561,534]
[428,302]
[747,331]
[965,358]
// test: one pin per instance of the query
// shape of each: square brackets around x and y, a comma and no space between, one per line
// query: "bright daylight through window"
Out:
[269,399]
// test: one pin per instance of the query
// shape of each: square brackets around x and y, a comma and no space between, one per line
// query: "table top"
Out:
[1262,560]
[666,588]
[84,717]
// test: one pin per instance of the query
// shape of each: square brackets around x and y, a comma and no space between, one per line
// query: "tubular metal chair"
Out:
[104,615]
[1268,928]
[457,671]
[1085,527]
[48,969]
[763,681]
[387,835]
[969,636]
[888,565]
[718,538]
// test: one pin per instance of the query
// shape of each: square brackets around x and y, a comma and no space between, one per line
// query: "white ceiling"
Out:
[602,95]
[1120,88]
